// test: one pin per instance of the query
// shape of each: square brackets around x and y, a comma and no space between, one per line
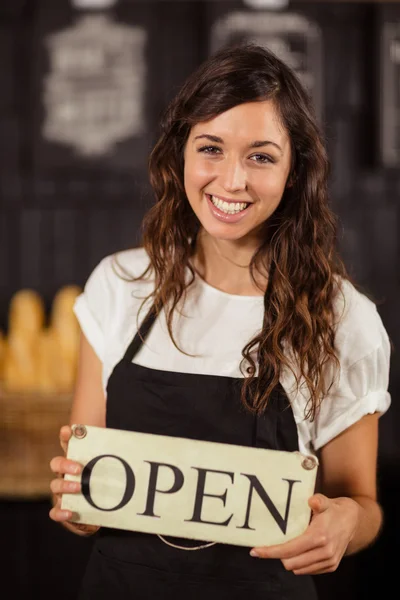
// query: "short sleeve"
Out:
[361,385]
[92,307]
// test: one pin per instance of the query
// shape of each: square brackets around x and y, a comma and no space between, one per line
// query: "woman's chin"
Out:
[223,232]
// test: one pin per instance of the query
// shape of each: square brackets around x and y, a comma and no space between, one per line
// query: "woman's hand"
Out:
[59,486]
[321,547]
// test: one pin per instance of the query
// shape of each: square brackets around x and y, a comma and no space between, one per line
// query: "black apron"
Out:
[126,564]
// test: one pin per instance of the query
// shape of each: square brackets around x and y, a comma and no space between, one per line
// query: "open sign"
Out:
[189,488]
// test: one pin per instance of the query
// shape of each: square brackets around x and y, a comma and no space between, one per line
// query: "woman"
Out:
[250,305]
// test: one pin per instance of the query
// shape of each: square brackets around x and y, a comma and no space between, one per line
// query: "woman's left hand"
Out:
[321,547]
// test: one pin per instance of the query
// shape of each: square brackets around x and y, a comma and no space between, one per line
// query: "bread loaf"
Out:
[26,313]
[36,357]
[64,336]
[3,345]
[25,322]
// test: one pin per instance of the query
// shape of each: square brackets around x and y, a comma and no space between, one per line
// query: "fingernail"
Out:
[73,486]
[66,514]
[75,469]
[254,553]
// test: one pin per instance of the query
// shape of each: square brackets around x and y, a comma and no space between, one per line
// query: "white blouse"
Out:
[215,326]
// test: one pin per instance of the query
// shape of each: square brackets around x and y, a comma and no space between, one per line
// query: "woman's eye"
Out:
[261,158]
[209,149]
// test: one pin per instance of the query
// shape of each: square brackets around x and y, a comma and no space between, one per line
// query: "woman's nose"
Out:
[233,176]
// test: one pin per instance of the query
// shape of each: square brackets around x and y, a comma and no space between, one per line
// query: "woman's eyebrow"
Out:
[212,138]
[259,144]
[256,144]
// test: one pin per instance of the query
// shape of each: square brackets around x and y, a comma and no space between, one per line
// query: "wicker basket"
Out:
[29,429]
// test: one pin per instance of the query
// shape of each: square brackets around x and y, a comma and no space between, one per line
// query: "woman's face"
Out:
[236,169]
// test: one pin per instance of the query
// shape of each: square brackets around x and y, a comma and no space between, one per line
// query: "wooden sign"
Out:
[188,488]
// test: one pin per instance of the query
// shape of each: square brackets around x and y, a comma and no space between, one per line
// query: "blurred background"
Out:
[82,86]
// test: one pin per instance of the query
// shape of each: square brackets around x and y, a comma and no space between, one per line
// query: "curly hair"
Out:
[298,245]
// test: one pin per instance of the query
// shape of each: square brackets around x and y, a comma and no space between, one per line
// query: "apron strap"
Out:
[140,336]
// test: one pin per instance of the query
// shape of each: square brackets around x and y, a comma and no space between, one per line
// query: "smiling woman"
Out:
[253,335]
[233,181]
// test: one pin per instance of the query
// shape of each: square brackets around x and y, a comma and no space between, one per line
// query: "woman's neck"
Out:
[225,265]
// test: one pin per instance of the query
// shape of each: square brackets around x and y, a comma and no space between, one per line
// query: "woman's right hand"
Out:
[60,465]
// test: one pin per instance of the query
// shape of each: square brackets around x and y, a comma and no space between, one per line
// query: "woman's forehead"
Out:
[245,123]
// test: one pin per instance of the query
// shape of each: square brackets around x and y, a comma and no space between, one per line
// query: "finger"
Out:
[319,503]
[62,486]
[65,436]
[58,514]
[326,566]
[306,560]
[299,545]
[303,543]
[60,464]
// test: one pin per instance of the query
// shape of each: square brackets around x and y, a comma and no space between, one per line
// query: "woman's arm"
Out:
[89,408]
[349,470]
[89,403]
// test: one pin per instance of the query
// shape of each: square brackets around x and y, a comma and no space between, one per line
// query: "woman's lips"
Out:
[224,217]
[229,199]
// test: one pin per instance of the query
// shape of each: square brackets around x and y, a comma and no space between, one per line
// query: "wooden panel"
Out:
[389,75]
[369,246]
[7,66]
[12,9]
[66,247]
[6,280]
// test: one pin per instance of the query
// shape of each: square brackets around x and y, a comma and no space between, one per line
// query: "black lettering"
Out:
[255,484]
[151,494]
[200,494]
[129,486]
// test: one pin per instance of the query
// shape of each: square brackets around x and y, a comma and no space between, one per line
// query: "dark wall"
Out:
[61,212]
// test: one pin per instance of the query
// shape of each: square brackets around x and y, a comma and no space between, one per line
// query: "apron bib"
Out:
[126,564]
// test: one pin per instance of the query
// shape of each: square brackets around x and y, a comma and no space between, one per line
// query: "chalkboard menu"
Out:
[294,38]
[390,94]
[94,89]
[90,85]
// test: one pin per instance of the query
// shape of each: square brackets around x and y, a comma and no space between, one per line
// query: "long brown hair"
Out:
[299,241]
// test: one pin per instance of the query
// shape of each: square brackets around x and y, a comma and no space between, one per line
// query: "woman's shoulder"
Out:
[348,300]
[111,296]
[360,385]
[115,282]
[359,329]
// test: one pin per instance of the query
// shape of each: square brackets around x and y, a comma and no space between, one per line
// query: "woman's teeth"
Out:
[230,208]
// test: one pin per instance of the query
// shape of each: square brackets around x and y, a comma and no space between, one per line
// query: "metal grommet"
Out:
[79,431]
[309,463]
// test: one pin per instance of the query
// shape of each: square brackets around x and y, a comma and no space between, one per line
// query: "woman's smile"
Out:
[227,211]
